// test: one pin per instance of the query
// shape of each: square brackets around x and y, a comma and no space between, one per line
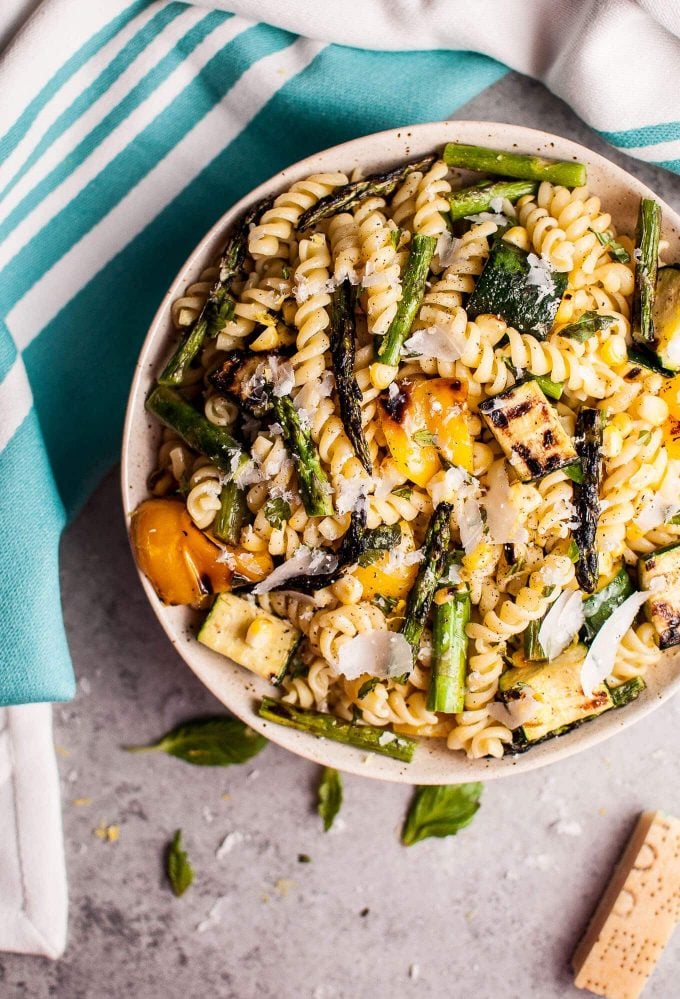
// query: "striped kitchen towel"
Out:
[127,127]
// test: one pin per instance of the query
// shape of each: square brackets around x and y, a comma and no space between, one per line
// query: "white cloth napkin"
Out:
[614,61]
[33,895]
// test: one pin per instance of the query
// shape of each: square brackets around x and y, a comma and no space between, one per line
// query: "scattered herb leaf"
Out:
[367,687]
[285,272]
[304,858]
[618,252]
[357,713]
[403,492]
[574,472]
[209,742]
[386,604]
[297,667]
[177,867]
[425,438]
[330,796]
[573,552]
[644,437]
[675,519]
[440,811]
[586,326]
[276,511]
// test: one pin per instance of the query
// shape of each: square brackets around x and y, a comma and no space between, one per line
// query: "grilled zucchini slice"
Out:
[659,572]
[259,641]
[505,289]
[666,317]
[527,428]
[562,704]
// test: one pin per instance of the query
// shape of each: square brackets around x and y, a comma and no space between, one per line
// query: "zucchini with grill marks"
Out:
[659,573]
[252,637]
[505,288]
[588,440]
[666,318]
[527,428]
[561,703]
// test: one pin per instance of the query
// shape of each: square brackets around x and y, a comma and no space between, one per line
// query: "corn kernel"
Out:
[613,351]
[258,632]
[651,409]
[612,441]
[622,422]
[382,375]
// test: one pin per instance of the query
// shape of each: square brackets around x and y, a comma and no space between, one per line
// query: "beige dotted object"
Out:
[636,915]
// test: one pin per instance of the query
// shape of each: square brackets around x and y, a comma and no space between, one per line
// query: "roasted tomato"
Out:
[397,581]
[423,419]
[180,561]
[670,393]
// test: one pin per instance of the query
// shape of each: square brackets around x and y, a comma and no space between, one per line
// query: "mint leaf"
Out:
[209,742]
[440,811]
[330,796]
[367,687]
[618,252]
[403,492]
[386,604]
[573,552]
[574,472]
[276,511]
[586,326]
[179,870]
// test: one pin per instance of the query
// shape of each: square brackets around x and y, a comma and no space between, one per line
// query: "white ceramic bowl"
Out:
[238,689]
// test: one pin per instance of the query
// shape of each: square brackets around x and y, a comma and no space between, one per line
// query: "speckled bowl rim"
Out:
[238,689]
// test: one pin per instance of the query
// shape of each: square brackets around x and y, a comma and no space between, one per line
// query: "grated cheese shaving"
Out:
[562,623]
[517,712]
[380,653]
[305,561]
[601,655]
[435,341]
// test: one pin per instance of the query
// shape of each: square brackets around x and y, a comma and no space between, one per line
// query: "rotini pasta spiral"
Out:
[277,224]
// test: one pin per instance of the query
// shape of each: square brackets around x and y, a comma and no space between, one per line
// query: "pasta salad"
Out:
[420,457]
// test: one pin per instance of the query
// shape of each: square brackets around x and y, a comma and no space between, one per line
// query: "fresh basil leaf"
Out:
[179,870]
[386,604]
[574,472]
[330,796]
[276,511]
[395,237]
[370,556]
[209,742]
[403,492]
[573,552]
[425,438]
[586,326]
[367,686]
[618,252]
[440,811]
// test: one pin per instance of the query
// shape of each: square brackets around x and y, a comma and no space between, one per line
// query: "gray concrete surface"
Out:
[493,913]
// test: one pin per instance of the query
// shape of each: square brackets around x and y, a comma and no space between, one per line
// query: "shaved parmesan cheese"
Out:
[562,623]
[275,428]
[446,248]
[385,483]
[470,523]
[435,341]
[501,514]
[247,474]
[601,655]
[380,653]
[387,277]
[496,205]
[398,558]
[304,288]
[516,712]
[304,561]
[494,217]
[540,275]
[673,349]
[283,376]
[350,494]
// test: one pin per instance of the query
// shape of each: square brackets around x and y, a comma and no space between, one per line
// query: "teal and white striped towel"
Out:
[128,126]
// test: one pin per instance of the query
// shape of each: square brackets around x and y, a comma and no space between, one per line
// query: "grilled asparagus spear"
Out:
[646,266]
[449,652]
[377,184]
[588,443]
[524,167]
[214,442]
[413,289]
[315,488]
[473,200]
[437,540]
[343,352]
[232,514]
[219,305]
[377,740]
